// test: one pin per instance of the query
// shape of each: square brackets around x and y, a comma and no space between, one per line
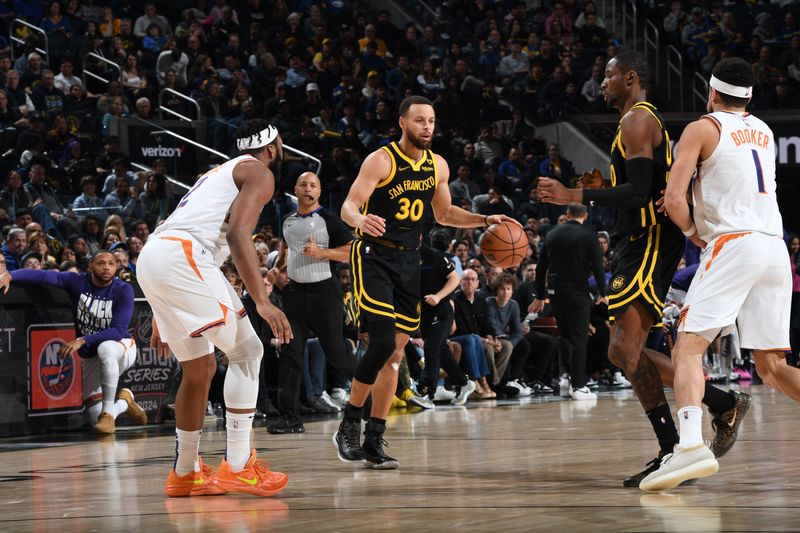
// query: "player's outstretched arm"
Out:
[375,168]
[698,139]
[639,134]
[451,215]
[256,186]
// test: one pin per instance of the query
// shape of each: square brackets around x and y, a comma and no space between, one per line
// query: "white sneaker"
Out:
[583,394]
[463,394]
[524,389]
[330,401]
[421,401]
[340,395]
[593,384]
[443,395]
[680,465]
[565,384]
[734,376]
[621,380]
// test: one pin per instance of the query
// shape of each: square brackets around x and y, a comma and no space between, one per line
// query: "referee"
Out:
[570,254]
[313,237]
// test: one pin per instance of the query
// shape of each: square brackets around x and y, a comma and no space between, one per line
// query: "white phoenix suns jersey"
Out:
[734,189]
[203,210]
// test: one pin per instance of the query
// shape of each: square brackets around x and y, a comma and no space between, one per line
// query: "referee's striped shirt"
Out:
[327,230]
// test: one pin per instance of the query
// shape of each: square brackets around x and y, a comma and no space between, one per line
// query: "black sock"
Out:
[353,413]
[375,426]
[664,426]
[717,400]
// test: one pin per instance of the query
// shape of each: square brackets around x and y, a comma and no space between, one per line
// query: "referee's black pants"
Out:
[571,310]
[310,307]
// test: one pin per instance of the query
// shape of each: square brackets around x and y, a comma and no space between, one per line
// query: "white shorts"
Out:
[125,353]
[744,275]
[193,304]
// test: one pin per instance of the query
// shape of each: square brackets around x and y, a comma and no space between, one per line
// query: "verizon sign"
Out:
[183,160]
[163,151]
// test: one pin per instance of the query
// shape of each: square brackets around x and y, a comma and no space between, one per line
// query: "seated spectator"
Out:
[172,59]
[14,246]
[505,325]
[123,200]
[154,199]
[513,168]
[91,233]
[121,167]
[89,199]
[143,108]
[488,149]
[39,243]
[133,80]
[151,17]
[30,261]
[462,188]
[47,98]
[116,111]
[14,197]
[65,78]
[532,208]
[782,95]
[554,166]
[49,212]
[496,203]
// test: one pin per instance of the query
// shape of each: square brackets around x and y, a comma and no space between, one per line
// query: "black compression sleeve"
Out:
[631,195]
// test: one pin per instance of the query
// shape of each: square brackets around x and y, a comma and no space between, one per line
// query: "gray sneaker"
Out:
[463,394]
[422,401]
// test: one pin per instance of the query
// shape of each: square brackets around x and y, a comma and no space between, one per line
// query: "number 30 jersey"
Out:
[734,189]
[203,211]
[403,198]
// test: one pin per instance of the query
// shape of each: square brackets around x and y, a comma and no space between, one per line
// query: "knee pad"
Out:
[380,350]
[245,351]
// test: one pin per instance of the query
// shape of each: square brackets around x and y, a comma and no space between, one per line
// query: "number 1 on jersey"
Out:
[759,173]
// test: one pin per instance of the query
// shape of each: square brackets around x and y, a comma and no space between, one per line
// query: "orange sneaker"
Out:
[202,483]
[256,478]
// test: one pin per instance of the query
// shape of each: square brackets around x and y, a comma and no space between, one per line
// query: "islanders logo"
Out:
[56,374]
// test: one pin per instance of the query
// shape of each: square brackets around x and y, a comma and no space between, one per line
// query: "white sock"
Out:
[691,419]
[109,397]
[119,407]
[187,446]
[94,411]
[238,447]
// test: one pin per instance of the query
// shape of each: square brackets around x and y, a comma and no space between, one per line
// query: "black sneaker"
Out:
[374,455]
[726,425]
[269,409]
[348,441]
[320,407]
[287,423]
[652,466]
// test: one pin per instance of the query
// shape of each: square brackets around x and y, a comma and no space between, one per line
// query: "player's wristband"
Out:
[691,231]
[486,220]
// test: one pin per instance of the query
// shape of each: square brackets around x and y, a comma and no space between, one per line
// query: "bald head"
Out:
[307,189]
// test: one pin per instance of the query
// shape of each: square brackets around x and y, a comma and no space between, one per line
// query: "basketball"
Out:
[504,245]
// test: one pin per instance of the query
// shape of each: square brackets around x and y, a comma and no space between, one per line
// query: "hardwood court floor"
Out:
[550,466]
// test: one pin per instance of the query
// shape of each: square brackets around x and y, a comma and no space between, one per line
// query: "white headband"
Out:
[732,90]
[260,139]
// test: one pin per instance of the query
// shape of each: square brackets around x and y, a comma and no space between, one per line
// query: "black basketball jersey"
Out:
[404,197]
[632,219]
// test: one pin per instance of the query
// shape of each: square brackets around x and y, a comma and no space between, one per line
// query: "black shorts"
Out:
[386,284]
[646,262]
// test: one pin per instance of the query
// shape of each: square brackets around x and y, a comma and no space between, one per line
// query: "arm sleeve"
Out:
[596,259]
[61,280]
[631,195]
[123,311]
[339,233]
[541,274]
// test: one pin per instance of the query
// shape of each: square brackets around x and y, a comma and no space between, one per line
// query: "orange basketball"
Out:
[504,245]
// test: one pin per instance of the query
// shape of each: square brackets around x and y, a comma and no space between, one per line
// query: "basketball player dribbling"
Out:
[387,205]
[744,277]
[648,251]
[196,309]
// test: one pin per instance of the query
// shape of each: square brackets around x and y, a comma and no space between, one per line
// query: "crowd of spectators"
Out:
[330,75]
[764,33]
